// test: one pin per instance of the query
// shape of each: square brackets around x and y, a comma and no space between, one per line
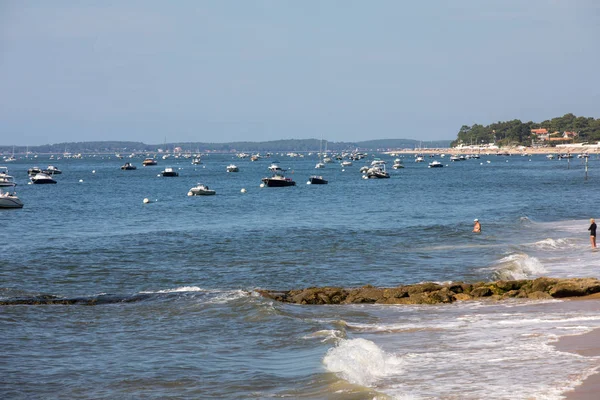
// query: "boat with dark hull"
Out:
[278,180]
[169,171]
[317,180]
[42,178]
[128,167]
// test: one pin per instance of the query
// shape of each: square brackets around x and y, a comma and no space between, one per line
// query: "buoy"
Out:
[81,180]
[158,175]
[190,193]
[243,190]
[308,182]
[343,169]
[146,200]
[262,185]
[489,162]
[93,171]
[480,163]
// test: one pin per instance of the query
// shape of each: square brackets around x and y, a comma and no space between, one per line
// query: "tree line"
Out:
[516,132]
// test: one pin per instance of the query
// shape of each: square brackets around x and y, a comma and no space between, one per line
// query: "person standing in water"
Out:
[592,230]
[477,226]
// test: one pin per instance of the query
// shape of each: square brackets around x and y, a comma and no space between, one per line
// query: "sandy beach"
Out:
[587,345]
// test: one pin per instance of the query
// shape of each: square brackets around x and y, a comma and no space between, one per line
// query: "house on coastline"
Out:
[543,135]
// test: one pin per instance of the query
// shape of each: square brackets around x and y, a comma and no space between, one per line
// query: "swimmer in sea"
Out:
[477,226]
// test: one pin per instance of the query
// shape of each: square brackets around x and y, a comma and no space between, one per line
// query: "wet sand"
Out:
[587,345]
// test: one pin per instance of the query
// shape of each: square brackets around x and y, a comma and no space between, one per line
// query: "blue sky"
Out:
[221,71]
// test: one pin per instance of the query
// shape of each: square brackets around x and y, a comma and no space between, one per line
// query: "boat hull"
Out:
[10,201]
[317,180]
[270,182]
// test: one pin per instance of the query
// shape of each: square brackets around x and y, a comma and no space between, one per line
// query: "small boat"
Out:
[42,178]
[550,156]
[201,190]
[232,168]
[419,159]
[196,161]
[316,180]
[128,166]
[149,161]
[169,171]
[435,164]
[33,170]
[346,163]
[397,164]
[275,167]
[52,170]
[377,170]
[10,200]
[455,158]
[278,180]
[320,165]
[5,178]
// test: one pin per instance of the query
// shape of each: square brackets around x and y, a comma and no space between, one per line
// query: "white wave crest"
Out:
[551,244]
[179,289]
[361,362]
[519,266]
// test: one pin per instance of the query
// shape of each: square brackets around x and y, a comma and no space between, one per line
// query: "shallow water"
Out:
[175,279]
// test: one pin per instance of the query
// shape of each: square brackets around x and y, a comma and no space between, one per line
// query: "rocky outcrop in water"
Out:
[433,293]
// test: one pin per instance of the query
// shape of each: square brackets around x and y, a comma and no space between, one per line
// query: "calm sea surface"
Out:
[177,315]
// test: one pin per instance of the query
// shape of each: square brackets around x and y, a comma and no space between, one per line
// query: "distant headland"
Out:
[297,145]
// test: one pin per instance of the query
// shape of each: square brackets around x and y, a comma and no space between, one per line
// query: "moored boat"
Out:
[9,199]
[52,170]
[128,166]
[6,179]
[435,164]
[232,168]
[317,180]
[278,180]
[169,171]
[42,178]
[149,161]
[201,190]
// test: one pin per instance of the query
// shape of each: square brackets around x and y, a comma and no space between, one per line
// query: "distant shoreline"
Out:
[590,149]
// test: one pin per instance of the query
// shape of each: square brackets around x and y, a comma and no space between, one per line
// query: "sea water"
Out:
[174,280]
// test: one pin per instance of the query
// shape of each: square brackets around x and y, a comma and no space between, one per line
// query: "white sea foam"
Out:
[179,289]
[555,244]
[326,335]
[519,266]
[361,362]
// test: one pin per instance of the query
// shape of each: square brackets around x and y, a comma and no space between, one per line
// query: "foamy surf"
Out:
[518,266]
[361,362]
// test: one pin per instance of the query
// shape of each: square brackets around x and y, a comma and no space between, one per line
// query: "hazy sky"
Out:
[221,71]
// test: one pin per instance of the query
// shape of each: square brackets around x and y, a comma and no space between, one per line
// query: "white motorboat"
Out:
[10,200]
[346,163]
[275,167]
[42,178]
[52,170]
[320,165]
[6,179]
[397,164]
[201,190]
[196,161]
[232,168]
[435,164]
